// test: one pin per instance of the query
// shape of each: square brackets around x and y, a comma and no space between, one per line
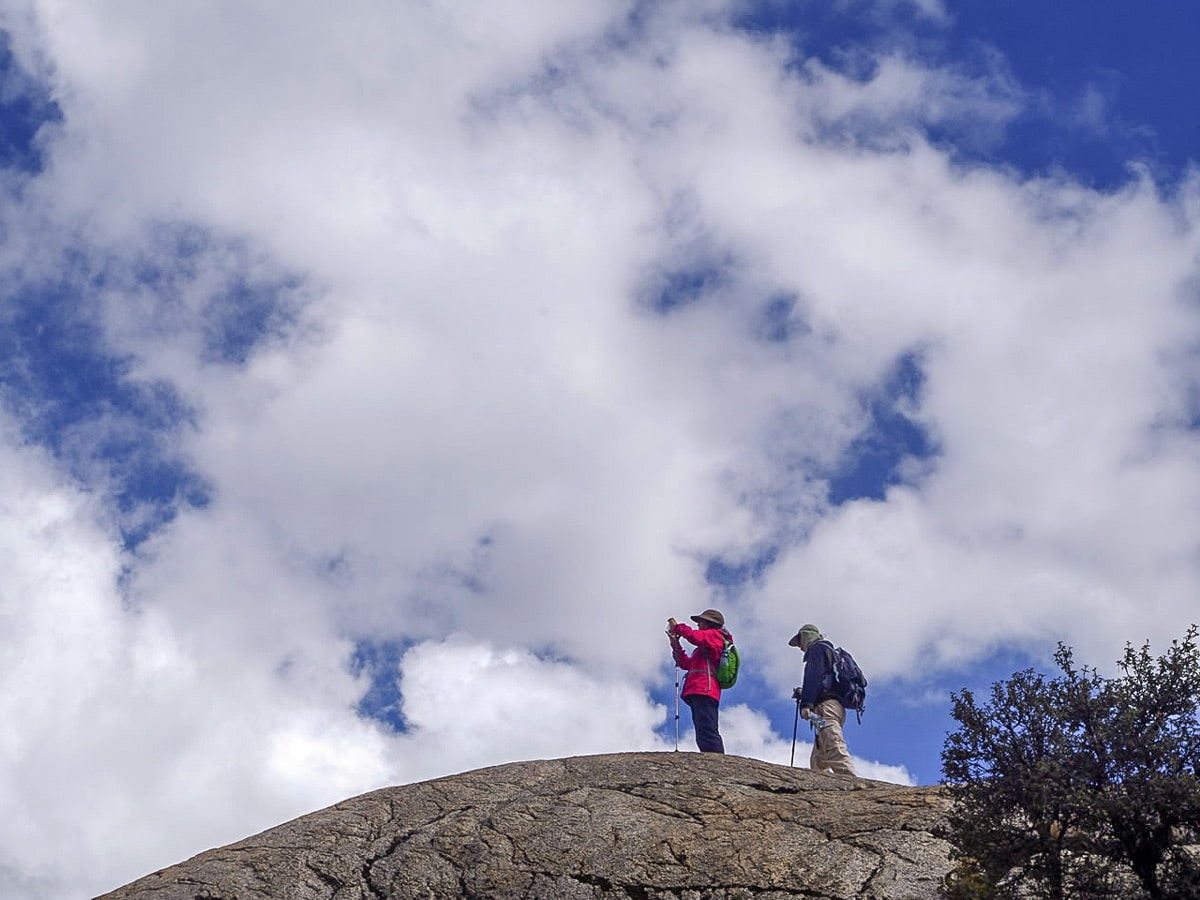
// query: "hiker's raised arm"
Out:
[679,655]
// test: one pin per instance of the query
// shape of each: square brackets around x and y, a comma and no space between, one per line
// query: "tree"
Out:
[1079,785]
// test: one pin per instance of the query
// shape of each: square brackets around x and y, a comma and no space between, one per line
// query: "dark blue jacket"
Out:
[818,674]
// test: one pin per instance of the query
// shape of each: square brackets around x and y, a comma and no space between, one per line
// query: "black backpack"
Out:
[848,683]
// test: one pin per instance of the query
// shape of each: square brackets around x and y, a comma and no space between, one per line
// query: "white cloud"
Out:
[479,440]
[111,728]
[467,704]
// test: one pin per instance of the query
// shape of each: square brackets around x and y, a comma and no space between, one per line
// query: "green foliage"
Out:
[1078,785]
[966,882]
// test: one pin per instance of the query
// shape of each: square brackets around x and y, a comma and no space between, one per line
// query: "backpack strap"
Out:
[710,666]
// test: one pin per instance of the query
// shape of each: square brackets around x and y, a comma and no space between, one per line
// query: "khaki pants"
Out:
[829,752]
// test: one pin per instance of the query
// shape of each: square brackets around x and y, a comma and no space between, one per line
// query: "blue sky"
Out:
[375,382]
[1103,81]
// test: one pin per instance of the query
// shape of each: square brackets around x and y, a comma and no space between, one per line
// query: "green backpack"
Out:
[727,667]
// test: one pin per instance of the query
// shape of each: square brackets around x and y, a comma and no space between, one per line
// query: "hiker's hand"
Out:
[671,623]
[806,712]
[796,693]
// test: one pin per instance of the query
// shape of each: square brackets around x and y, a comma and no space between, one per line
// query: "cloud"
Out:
[105,709]
[488,332]
[467,704]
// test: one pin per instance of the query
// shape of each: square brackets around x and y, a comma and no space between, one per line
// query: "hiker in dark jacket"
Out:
[817,701]
[700,691]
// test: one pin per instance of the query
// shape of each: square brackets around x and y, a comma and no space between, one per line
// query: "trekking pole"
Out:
[795,725]
[677,709]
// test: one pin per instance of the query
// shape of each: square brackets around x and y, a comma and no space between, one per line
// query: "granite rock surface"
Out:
[650,826]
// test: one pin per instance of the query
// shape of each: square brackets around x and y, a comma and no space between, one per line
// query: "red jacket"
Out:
[701,663]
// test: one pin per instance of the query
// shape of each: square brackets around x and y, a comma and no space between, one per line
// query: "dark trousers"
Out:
[704,719]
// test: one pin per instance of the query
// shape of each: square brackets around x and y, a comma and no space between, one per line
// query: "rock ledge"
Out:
[650,826]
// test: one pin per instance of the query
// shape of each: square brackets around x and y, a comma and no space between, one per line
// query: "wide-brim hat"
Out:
[710,615]
[813,632]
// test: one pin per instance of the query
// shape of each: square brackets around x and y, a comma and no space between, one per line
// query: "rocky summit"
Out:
[651,826]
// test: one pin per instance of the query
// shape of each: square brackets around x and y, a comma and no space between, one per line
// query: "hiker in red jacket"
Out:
[700,689]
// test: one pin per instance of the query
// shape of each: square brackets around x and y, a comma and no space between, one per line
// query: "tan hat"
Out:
[711,615]
[811,632]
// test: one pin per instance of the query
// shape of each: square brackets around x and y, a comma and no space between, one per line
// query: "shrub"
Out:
[1079,785]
